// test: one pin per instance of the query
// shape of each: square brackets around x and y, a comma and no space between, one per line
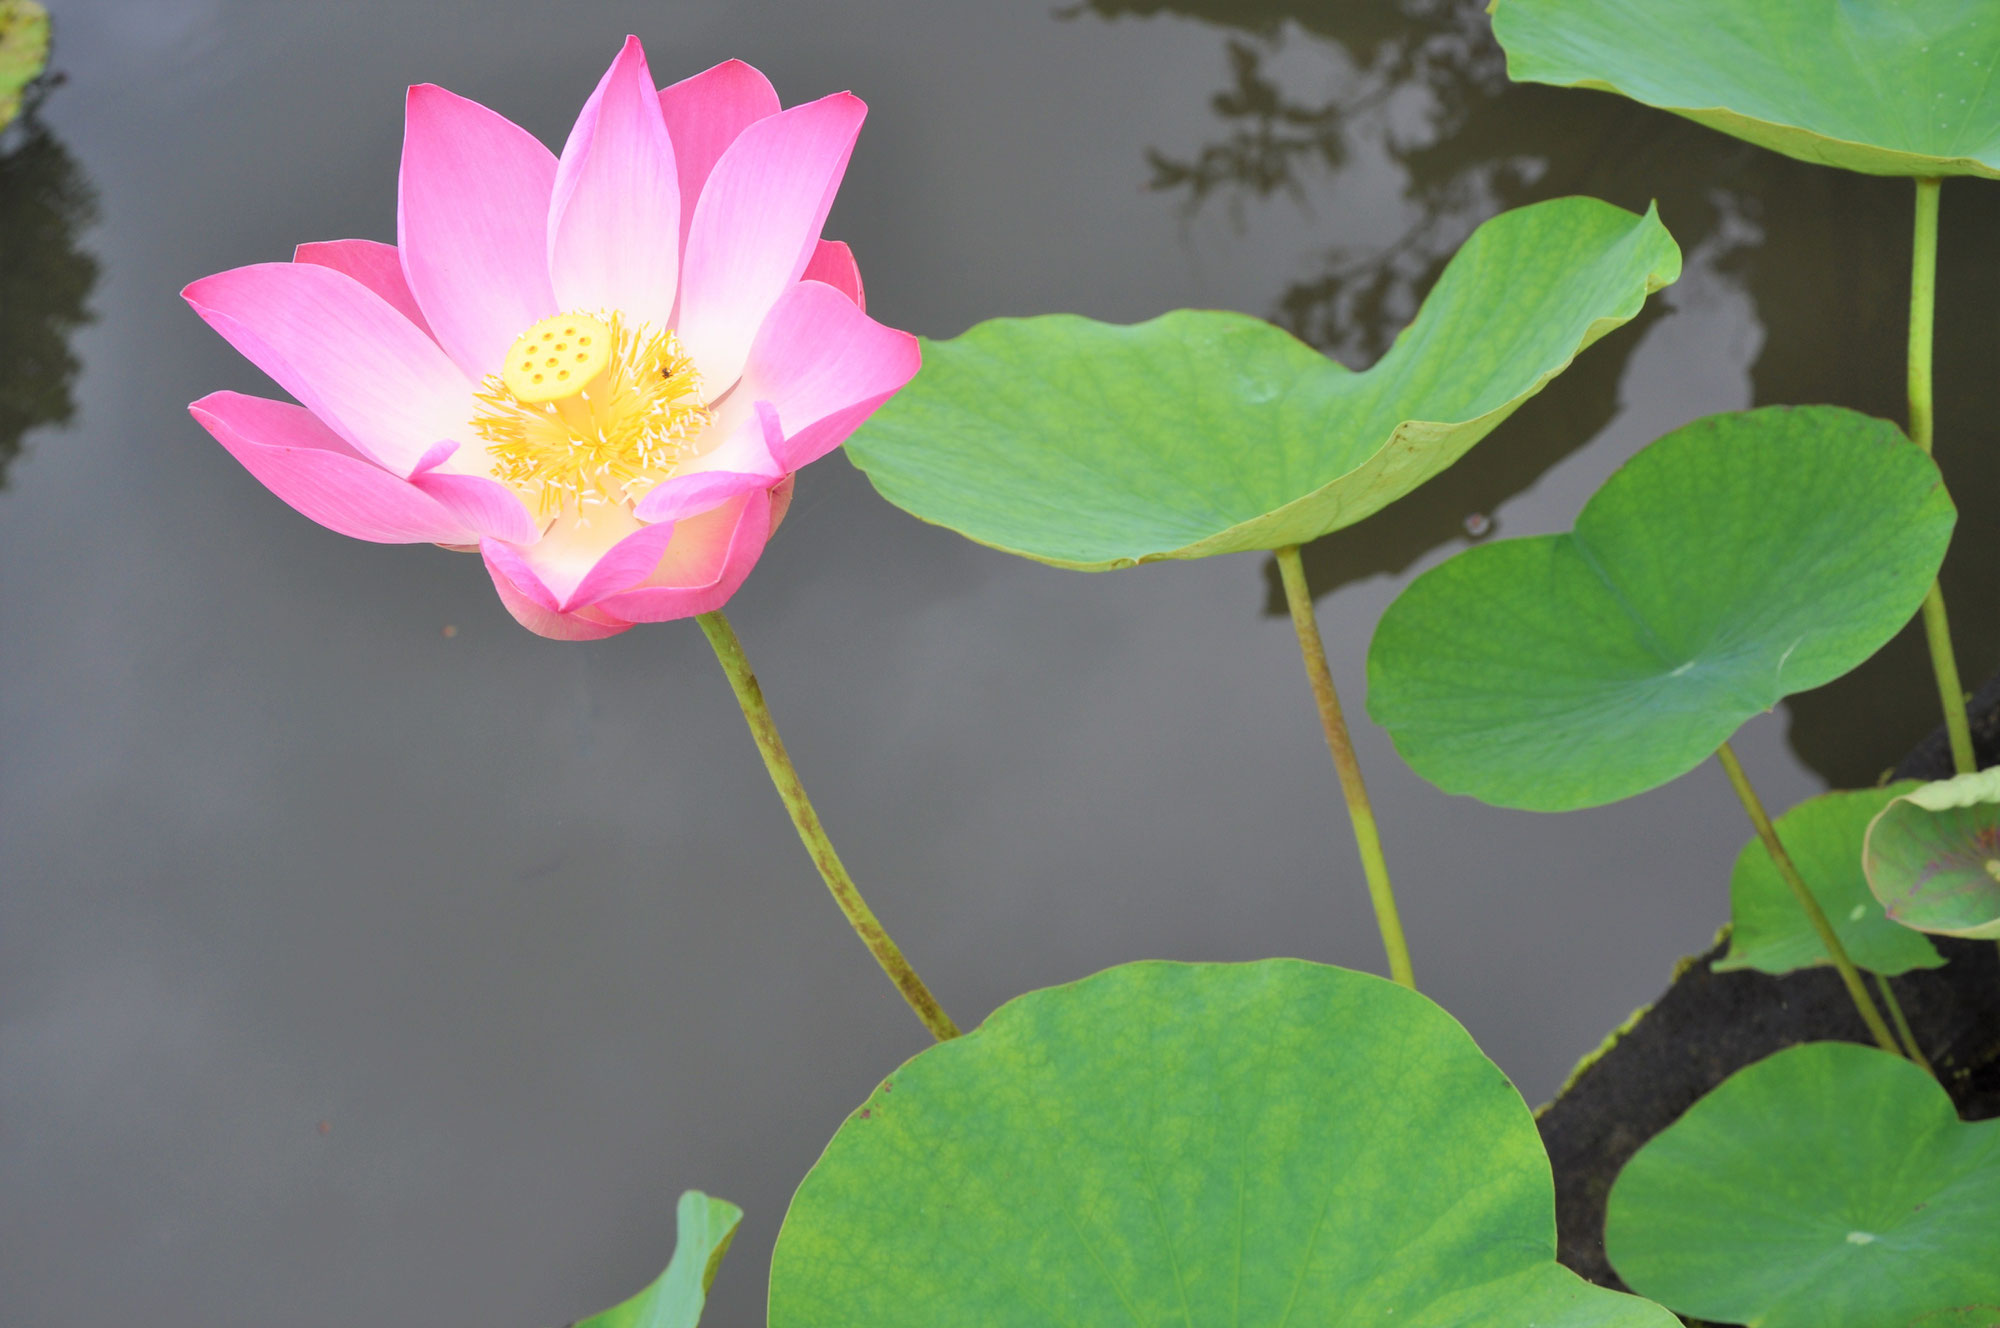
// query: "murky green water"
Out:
[364,959]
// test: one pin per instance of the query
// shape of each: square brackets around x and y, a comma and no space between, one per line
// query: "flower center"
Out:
[589,409]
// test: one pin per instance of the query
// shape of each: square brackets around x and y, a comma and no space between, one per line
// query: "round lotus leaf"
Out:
[1095,446]
[1829,1186]
[1168,1144]
[1886,87]
[1964,1316]
[1768,930]
[1933,857]
[1735,561]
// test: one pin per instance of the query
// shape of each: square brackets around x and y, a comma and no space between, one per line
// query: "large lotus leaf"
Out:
[1095,446]
[704,1227]
[1933,857]
[1768,930]
[1739,559]
[1964,1316]
[1166,1144]
[1887,87]
[24,51]
[1828,1186]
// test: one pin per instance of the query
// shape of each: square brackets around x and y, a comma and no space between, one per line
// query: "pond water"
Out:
[365,959]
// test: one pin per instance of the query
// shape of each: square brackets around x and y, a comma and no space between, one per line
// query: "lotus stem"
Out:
[1787,869]
[1923,310]
[1923,316]
[1902,1023]
[1366,838]
[729,650]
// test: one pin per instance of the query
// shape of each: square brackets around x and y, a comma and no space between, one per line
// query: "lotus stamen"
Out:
[590,409]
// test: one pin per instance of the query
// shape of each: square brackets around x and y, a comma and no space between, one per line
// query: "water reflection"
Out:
[45,278]
[1822,256]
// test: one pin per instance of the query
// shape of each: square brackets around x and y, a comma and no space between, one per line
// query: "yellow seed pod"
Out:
[556,357]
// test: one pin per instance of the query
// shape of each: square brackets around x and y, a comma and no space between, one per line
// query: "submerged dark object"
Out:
[1708,1025]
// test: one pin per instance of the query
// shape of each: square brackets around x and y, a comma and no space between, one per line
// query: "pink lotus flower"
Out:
[601,371]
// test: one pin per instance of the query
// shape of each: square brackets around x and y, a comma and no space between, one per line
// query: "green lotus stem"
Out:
[1951,692]
[1923,316]
[764,729]
[1902,1023]
[1782,860]
[1923,309]
[1373,865]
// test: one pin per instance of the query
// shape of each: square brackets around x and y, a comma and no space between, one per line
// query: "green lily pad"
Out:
[704,1227]
[1095,446]
[1768,930]
[1828,1186]
[1962,1316]
[1933,857]
[1247,1144]
[24,52]
[1735,561]
[1885,87]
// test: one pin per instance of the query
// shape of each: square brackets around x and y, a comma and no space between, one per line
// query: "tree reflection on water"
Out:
[1822,256]
[45,278]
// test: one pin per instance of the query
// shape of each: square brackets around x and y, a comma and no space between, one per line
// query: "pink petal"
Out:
[826,366]
[705,114]
[484,505]
[833,263]
[781,501]
[576,561]
[615,217]
[755,226]
[505,560]
[688,495]
[709,558]
[311,467]
[364,369]
[573,569]
[472,225]
[434,456]
[744,461]
[375,265]
[628,562]
[588,625]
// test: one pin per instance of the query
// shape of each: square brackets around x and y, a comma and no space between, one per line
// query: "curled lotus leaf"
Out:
[1094,446]
[1768,930]
[1250,1144]
[1885,87]
[703,1228]
[1829,1186]
[1933,857]
[1735,561]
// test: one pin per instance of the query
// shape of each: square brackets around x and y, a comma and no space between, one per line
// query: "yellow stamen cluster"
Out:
[588,409]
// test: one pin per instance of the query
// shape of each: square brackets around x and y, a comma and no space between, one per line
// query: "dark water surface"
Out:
[366,960]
